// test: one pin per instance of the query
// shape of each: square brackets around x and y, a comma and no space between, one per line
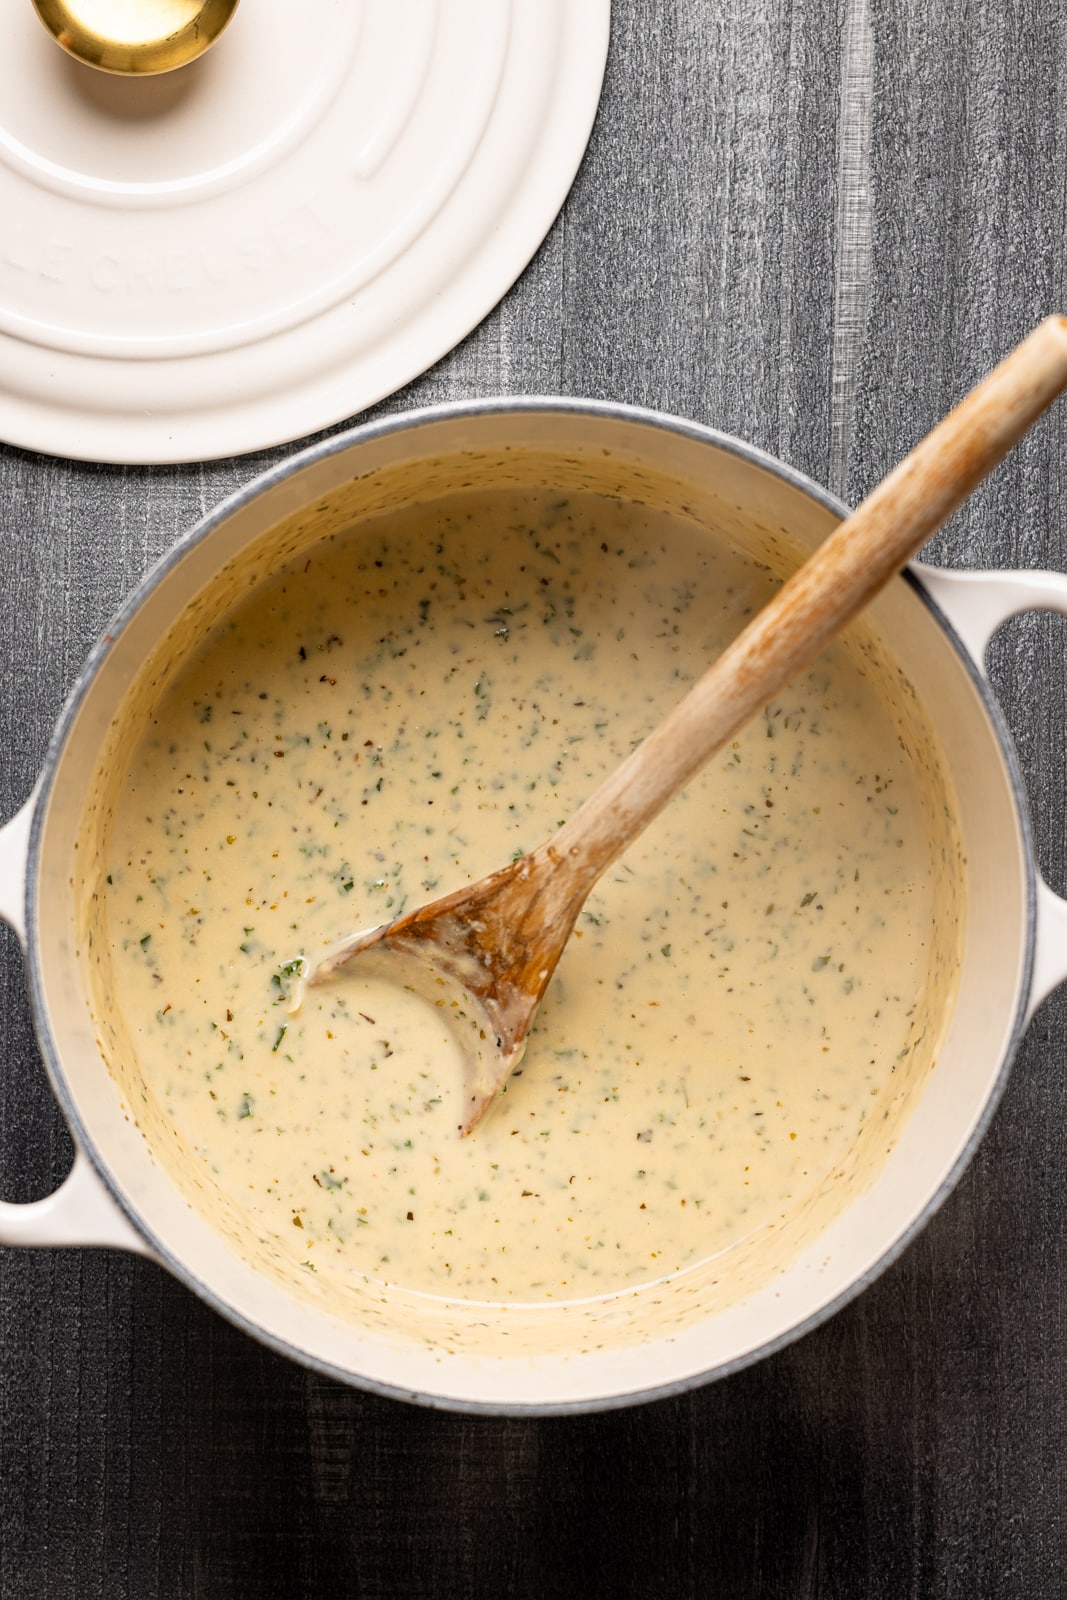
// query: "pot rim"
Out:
[322,450]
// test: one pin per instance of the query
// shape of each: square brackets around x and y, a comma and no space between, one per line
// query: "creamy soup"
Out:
[746,997]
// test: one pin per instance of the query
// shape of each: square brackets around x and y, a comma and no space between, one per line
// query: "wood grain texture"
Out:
[813,224]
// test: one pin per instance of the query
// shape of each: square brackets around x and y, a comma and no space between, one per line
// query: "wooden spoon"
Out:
[494,945]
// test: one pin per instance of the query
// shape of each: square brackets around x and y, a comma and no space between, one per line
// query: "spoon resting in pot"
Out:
[489,950]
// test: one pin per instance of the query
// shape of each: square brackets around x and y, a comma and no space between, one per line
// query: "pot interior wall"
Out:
[707,1319]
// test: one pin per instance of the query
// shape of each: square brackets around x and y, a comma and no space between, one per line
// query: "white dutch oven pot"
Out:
[935,623]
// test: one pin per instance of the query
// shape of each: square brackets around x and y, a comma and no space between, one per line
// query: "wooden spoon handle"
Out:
[836,582]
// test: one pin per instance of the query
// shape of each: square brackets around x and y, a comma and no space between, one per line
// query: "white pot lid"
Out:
[270,240]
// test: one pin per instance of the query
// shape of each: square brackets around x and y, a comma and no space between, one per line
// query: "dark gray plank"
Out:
[811,224]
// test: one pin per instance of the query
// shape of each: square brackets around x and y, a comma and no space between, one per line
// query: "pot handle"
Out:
[976,603]
[80,1211]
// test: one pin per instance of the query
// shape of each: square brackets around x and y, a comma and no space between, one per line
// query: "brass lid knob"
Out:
[135,37]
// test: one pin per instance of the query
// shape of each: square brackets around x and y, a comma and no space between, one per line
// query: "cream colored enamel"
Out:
[751,1003]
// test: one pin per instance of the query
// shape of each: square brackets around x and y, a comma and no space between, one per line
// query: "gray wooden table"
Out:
[811,223]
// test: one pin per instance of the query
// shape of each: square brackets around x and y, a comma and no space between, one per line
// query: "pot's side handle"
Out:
[976,603]
[14,850]
[81,1211]
[1050,948]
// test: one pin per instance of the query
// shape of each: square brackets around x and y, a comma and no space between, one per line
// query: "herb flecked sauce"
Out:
[402,711]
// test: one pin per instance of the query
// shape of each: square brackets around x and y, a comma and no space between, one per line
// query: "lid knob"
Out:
[135,37]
